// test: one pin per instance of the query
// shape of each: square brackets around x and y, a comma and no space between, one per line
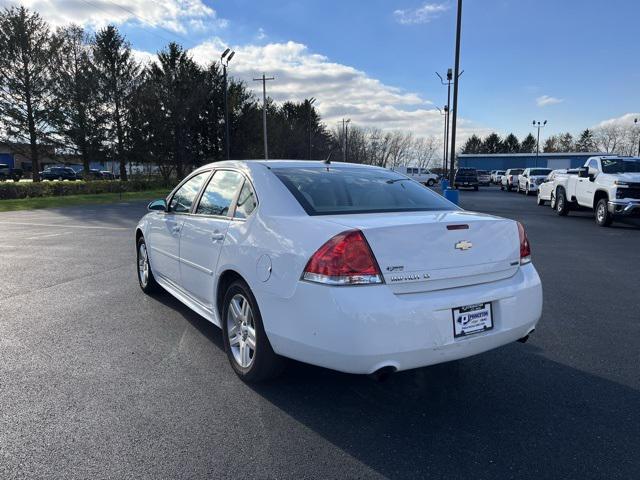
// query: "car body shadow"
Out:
[508,413]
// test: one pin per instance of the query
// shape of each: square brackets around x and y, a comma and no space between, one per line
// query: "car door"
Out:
[585,187]
[203,235]
[163,234]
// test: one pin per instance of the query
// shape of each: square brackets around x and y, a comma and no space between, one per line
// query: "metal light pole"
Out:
[539,126]
[345,124]
[456,79]
[445,113]
[636,122]
[264,80]
[309,103]
[224,61]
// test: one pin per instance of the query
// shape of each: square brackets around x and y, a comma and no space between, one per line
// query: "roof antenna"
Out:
[328,159]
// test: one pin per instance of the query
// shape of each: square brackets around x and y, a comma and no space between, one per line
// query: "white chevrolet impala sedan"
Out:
[350,267]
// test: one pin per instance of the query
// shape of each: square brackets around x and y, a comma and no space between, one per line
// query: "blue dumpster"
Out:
[452,195]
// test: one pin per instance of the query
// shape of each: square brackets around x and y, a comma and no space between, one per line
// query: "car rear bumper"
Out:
[362,329]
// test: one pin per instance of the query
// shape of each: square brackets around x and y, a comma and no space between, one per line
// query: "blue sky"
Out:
[574,63]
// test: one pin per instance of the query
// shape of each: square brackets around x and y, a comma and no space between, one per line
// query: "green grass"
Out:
[75,200]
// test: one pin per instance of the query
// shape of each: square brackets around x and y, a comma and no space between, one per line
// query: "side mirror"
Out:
[583,172]
[158,205]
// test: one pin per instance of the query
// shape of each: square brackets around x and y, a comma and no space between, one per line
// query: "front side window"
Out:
[247,201]
[593,163]
[219,194]
[333,191]
[183,199]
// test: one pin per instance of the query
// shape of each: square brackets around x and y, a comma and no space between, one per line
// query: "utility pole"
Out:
[636,122]
[539,126]
[225,64]
[264,80]
[456,79]
[309,103]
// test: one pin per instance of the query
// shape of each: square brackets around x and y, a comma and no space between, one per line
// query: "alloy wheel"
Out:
[143,265]
[241,331]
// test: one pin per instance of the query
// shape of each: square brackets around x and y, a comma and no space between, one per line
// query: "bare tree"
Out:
[424,150]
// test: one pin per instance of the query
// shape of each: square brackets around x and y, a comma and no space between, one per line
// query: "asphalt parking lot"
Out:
[98,380]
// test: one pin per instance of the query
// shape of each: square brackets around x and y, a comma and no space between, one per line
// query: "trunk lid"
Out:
[426,251]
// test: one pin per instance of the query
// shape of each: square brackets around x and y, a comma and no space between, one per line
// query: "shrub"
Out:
[13,190]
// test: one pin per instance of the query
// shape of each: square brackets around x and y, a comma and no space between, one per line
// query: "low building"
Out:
[503,161]
[18,155]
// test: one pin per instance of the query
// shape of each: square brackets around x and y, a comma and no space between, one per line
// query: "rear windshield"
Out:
[333,191]
[618,165]
[516,171]
[539,171]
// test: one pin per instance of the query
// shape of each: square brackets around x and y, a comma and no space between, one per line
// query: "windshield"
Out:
[516,171]
[619,165]
[539,172]
[330,191]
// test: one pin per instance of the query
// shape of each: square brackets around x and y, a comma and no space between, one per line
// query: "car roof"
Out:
[283,164]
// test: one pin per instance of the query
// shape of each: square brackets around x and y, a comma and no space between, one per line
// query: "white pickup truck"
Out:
[610,186]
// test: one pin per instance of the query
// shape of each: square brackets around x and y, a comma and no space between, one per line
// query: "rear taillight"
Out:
[346,259]
[525,247]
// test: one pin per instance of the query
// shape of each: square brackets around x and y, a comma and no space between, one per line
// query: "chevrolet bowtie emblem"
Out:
[463,245]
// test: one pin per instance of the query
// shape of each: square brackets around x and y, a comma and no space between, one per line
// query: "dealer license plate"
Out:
[472,319]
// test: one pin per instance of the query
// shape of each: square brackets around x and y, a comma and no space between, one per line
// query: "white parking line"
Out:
[47,235]
[62,225]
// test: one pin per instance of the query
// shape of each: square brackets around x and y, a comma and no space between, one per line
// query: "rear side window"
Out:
[219,194]
[247,202]
[183,199]
[333,191]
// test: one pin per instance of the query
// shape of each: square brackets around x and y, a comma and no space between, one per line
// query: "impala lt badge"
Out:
[463,245]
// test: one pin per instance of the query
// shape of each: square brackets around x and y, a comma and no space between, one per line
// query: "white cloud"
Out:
[341,90]
[622,121]
[261,35]
[546,100]
[174,15]
[423,14]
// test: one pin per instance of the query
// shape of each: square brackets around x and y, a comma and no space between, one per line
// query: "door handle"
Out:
[217,236]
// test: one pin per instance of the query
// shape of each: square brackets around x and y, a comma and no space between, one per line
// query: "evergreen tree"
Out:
[511,144]
[492,144]
[528,145]
[565,142]
[117,76]
[473,145]
[80,119]
[586,142]
[27,49]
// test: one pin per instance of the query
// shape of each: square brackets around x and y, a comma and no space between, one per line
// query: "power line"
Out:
[142,19]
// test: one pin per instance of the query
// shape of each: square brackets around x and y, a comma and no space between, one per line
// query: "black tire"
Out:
[150,286]
[265,363]
[540,201]
[562,204]
[552,202]
[508,187]
[526,191]
[430,183]
[502,187]
[604,218]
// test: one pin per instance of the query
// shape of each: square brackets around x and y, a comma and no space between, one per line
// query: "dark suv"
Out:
[58,173]
[466,178]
